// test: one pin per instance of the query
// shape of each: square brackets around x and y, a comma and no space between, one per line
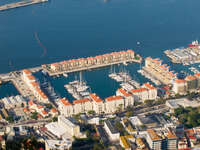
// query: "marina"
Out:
[149,76]
[21,4]
[185,56]
[78,88]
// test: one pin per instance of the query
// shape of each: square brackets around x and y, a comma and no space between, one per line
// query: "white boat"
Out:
[84,93]
[82,88]
[74,82]
[125,63]
[65,75]
[112,75]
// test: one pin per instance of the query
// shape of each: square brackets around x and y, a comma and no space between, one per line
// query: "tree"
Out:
[49,106]
[34,115]
[91,112]
[119,108]
[10,119]
[129,114]
[22,105]
[98,147]
[54,119]
[178,111]
[149,102]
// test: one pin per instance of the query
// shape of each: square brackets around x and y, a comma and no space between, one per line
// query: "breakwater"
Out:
[21,4]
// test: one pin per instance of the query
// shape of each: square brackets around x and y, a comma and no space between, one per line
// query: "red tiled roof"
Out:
[31,103]
[138,90]
[124,92]
[197,74]
[189,78]
[44,112]
[65,102]
[112,98]
[81,101]
[180,81]
[53,110]
[26,71]
[95,98]
[149,86]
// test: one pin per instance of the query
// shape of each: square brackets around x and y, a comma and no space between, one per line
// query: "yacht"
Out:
[65,75]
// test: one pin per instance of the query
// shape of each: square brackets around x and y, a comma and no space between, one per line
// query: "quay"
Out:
[21,4]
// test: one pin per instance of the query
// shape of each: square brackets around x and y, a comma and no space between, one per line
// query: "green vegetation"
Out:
[189,116]
[160,101]
[49,106]
[137,103]
[54,119]
[10,119]
[34,115]
[28,143]
[77,117]
[137,58]
[129,113]
[91,112]
[143,126]
[149,102]
[120,128]
[87,143]
[22,105]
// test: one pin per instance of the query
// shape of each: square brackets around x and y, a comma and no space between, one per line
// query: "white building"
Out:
[180,86]
[71,128]
[128,98]
[140,94]
[98,104]
[56,129]
[175,103]
[152,91]
[82,105]
[65,107]
[34,86]
[57,144]
[113,134]
[13,101]
[114,103]
[154,140]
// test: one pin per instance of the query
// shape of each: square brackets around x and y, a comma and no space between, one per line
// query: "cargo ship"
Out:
[194,44]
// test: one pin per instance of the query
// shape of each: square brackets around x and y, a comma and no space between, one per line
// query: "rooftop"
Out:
[81,101]
[65,102]
[58,144]
[66,121]
[149,86]
[96,98]
[189,78]
[124,92]
[112,129]
[112,98]
[154,136]
[138,90]
[180,81]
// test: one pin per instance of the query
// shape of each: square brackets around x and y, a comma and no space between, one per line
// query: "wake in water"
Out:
[41,45]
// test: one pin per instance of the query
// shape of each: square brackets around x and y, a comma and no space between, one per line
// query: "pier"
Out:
[21,4]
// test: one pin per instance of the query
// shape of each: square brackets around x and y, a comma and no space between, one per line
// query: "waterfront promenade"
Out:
[21,4]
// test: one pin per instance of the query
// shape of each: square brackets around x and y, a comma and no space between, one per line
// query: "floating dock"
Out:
[21,4]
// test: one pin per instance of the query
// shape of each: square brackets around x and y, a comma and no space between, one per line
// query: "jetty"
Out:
[21,4]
